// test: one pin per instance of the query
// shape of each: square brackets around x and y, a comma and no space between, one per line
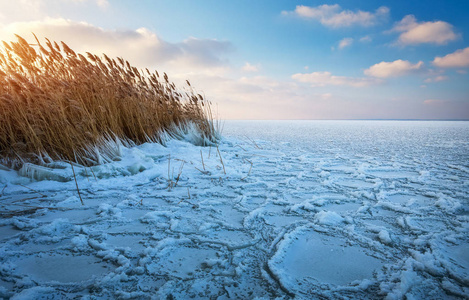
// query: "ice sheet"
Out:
[343,209]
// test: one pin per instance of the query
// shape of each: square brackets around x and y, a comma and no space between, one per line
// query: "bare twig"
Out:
[179,174]
[33,206]
[221,159]
[240,147]
[252,141]
[169,164]
[23,199]
[76,183]
[249,169]
[203,172]
[170,179]
[201,156]
[33,190]
[86,175]
[188,195]
[93,174]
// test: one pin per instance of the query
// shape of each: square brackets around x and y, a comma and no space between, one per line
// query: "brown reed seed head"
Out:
[57,103]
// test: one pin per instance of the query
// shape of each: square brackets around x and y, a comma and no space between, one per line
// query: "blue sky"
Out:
[278,59]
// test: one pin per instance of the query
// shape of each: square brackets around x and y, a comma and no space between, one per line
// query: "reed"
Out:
[56,104]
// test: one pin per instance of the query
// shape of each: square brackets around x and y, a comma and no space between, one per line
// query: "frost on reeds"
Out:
[56,104]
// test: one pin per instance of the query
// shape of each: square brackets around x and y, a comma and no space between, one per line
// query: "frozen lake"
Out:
[442,140]
[305,209]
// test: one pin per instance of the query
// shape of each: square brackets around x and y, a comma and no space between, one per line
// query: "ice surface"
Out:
[323,209]
[62,268]
[184,262]
[306,258]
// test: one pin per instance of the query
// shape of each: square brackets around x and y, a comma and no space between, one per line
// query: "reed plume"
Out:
[56,104]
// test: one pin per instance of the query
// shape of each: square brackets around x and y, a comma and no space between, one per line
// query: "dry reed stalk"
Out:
[202,157]
[169,164]
[240,147]
[221,159]
[31,190]
[203,172]
[254,143]
[179,174]
[249,173]
[76,183]
[170,181]
[188,195]
[86,175]
[93,174]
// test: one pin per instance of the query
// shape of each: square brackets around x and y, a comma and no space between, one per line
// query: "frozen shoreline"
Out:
[307,221]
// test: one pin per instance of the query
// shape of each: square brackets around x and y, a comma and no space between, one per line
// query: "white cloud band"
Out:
[141,47]
[335,17]
[413,32]
[393,69]
[457,59]
[318,79]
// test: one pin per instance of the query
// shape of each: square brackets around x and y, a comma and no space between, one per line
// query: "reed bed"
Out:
[56,104]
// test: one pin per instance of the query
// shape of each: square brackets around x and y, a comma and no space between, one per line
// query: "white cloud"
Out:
[13,11]
[26,9]
[250,68]
[100,3]
[345,42]
[458,59]
[366,39]
[393,69]
[413,32]
[437,78]
[334,16]
[140,47]
[326,78]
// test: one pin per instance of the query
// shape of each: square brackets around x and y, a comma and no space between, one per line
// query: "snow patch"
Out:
[328,218]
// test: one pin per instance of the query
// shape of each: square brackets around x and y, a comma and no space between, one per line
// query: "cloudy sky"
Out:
[269,59]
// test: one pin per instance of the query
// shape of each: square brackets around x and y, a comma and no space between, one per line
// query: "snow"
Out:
[385,237]
[328,218]
[320,209]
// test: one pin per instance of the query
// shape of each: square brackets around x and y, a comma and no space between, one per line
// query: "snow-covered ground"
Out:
[306,209]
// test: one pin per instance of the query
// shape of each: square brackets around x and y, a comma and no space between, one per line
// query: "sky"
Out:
[272,59]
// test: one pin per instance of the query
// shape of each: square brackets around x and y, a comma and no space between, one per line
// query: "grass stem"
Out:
[221,159]
[202,157]
[32,190]
[76,183]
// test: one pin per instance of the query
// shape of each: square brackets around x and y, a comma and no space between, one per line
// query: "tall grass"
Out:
[57,104]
